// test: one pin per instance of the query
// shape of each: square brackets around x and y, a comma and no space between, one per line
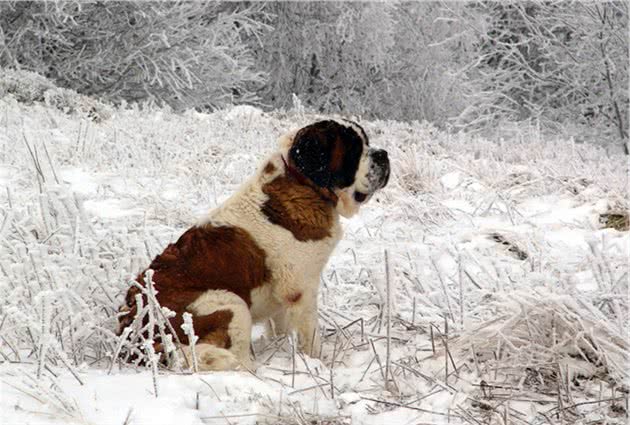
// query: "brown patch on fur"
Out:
[298,208]
[269,168]
[324,192]
[294,298]
[203,258]
[336,158]
[214,328]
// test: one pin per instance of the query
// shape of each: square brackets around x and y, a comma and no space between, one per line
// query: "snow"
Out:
[142,177]
[451,180]
[242,113]
[111,208]
[79,180]
[5,174]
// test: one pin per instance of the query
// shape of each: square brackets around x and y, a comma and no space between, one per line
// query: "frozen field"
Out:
[507,293]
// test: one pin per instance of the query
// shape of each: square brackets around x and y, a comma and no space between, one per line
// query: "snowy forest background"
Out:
[486,284]
[560,66]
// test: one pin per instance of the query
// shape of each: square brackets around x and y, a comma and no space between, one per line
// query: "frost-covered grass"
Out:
[507,299]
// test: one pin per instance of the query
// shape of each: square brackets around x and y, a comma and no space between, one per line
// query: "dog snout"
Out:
[381,160]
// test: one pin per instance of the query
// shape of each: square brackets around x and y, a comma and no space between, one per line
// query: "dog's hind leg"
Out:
[225,345]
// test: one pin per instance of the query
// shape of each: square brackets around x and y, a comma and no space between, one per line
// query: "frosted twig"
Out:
[189,330]
[121,341]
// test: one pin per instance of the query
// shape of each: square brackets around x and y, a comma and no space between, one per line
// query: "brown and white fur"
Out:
[260,254]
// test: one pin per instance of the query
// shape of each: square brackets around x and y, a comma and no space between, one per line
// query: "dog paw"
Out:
[214,358]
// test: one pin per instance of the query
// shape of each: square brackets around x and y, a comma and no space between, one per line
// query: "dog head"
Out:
[336,155]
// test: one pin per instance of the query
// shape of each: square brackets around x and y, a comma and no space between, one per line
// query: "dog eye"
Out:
[359,197]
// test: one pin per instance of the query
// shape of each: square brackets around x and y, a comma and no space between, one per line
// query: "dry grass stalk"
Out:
[389,322]
[332,368]
[559,337]
[393,403]
[292,342]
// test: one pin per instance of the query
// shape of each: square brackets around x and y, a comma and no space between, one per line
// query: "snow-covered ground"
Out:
[508,298]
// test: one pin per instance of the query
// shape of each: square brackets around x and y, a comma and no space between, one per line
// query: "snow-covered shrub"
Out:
[384,60]
[64,324]
[70,101]
[544,335]
[556,63]
[28,87]
[422,82]
[24,86]
[185,54]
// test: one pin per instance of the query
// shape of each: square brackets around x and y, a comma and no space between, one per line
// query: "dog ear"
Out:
[310,152]
[328,153]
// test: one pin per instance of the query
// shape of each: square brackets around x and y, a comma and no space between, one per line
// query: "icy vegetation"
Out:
[485,285]
[561,66]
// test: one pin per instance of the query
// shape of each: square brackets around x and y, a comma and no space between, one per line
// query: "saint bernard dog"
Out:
[259,256]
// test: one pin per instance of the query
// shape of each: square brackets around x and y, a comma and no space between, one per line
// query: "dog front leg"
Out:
[299,304]
[308,331]
[276,324]
[301,316]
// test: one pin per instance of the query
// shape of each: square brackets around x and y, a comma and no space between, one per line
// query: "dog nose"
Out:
[381,162]
[380,155]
